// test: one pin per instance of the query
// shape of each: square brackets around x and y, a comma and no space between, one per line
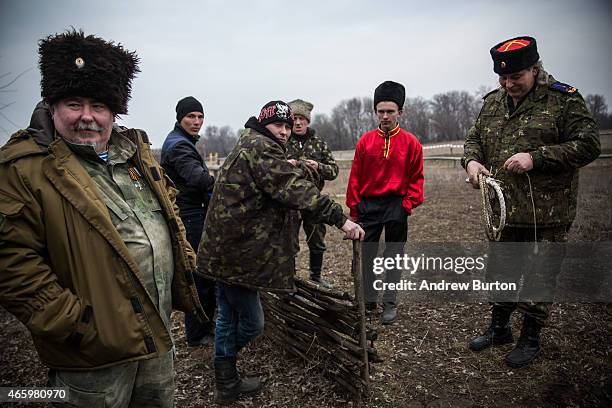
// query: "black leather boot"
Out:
[229,384]
[499,332]
[316,264]
[528,345]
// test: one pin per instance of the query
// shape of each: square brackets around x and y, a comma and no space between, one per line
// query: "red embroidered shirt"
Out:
[386,163]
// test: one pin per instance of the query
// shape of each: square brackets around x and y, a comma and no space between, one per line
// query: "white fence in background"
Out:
[443,146]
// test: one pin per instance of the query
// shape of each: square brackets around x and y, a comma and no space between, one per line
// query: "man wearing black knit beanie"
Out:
[186,167]
[247,243]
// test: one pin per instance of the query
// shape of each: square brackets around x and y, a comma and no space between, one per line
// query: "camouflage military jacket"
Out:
[310,146]
[554,125]
[247,238]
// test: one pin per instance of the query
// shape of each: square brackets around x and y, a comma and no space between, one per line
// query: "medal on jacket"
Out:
[135,176]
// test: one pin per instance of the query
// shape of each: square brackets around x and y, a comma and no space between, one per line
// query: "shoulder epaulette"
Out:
[491,93]
[565,88]
[145,137]
[142,134]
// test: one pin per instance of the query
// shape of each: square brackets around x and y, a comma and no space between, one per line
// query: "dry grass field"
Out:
[426,361]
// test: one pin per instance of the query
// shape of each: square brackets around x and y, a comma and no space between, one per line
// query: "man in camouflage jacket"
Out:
[247,241]
[532,134]
[305,146]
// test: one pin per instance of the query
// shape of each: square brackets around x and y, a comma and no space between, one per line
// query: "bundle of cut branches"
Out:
[323,327]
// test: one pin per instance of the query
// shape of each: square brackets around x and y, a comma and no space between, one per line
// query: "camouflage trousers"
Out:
[538,272]
[143,383]
[315,237]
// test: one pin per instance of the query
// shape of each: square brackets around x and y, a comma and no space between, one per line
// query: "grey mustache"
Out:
[88,126]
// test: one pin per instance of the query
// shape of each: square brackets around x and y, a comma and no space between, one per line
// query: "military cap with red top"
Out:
[514,55]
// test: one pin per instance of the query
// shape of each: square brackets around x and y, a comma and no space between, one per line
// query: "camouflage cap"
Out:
[301,107]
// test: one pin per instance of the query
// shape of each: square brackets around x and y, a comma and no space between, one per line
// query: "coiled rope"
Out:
[486,183]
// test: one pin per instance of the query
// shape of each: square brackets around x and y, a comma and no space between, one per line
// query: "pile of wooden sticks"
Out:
[326,328]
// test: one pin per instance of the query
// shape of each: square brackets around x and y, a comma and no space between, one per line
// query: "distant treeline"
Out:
[447,116]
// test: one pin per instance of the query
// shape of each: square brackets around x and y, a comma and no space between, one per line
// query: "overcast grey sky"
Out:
[234,56]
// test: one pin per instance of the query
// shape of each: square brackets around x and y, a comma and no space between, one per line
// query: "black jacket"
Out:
[187,169]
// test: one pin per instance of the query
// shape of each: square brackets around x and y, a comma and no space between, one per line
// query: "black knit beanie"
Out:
[187,105]
[275,111]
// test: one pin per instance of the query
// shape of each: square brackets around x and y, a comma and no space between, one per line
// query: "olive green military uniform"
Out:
[311,147]
[554,125]
[136,214]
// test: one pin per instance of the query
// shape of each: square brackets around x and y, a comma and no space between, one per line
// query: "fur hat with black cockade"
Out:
[72,64]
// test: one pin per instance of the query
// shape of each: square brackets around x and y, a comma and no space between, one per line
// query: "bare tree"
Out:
[351,118]
[416,118]
[4,88]
[216,139]
[599,109]
[453,113]
[322,124]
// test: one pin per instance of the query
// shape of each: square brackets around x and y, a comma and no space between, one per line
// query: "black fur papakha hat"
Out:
[72,64]
[390,91]
[514,55]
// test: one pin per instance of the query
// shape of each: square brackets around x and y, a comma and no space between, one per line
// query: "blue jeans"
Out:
[240,319]
[194,329]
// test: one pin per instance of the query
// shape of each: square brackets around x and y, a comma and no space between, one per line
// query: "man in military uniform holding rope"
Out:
[532,134]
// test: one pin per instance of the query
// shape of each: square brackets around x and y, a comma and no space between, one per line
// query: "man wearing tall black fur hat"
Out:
[93,256]
[533,133]
[384,187]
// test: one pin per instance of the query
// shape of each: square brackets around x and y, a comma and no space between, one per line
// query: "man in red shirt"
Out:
[385,185]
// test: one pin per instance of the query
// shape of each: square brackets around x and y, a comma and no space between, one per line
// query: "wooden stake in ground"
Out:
[359,297]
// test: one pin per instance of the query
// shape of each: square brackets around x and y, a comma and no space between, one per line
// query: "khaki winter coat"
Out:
[64,270]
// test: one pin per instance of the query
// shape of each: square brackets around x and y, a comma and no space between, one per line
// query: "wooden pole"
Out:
[359,296]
